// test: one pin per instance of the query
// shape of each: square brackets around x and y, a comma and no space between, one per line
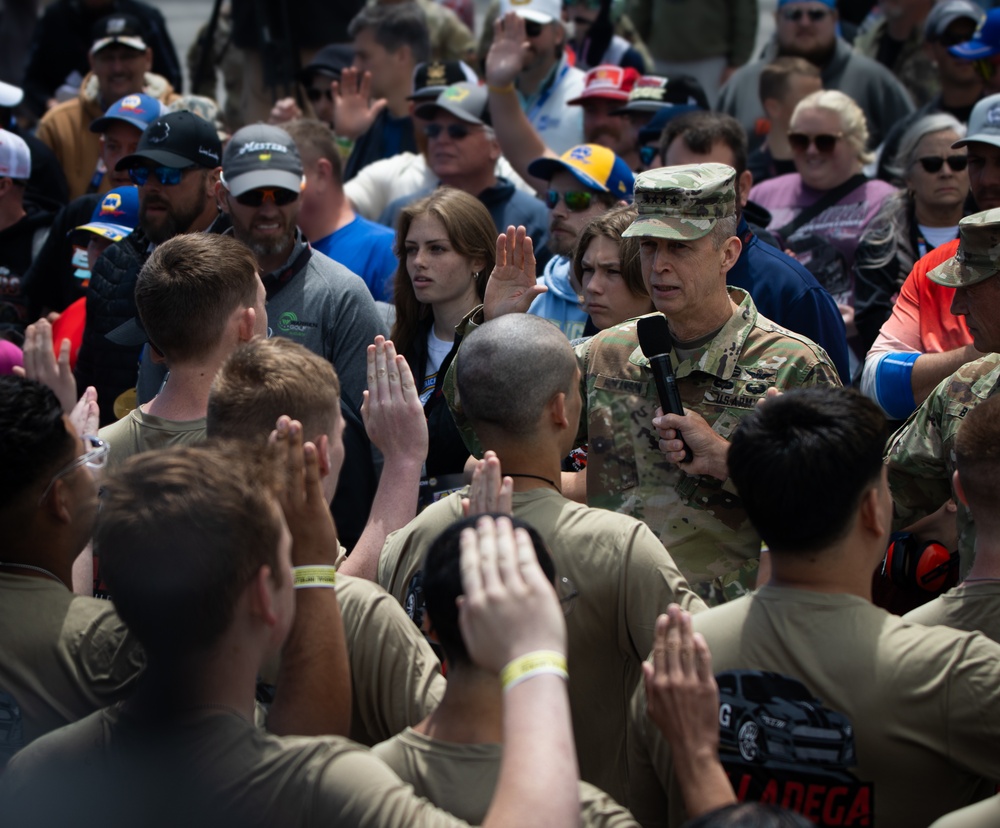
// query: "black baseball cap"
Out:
[117,28]
[432,78]
[330,60]
[177,139]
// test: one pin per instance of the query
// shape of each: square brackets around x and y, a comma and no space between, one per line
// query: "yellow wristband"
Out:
[502,90]
[533,664]
[307,577]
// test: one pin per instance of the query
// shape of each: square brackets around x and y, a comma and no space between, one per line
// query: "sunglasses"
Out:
[800,142]
[315,94]
[814,15]
[167,176]
[933,163]
[575,201]
[587,4]
[455,131]
[532,28]
[94,458]
[255,198]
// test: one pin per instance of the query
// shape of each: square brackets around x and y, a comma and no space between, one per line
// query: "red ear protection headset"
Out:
[929,566]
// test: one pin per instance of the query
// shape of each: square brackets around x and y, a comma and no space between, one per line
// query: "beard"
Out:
[174,221]
[265,244]
[818,56]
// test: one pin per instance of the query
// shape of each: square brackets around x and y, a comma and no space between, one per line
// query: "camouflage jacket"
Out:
[921,454]
[698,518]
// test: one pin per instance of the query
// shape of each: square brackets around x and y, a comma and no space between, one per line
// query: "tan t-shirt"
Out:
[62,657]
[985,814]
[461,778]
[624,578]
[969,606]
[396,679]
[246,776]
[923,702]
[137,432]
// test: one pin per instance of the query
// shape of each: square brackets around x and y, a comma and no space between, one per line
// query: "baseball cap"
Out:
[261,155]
[10,95]
[684,202]
[177,139]
[985,42]
[984,123]
[138,110]
[592,165]
[117,28]
[466,101]
[15,157]
[613,83]
[115,215]
[653,92]
[430,79]
[942,15]
[331,60]
[541,11]
[978,256]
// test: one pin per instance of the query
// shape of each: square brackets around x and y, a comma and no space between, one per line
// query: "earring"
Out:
[475,274]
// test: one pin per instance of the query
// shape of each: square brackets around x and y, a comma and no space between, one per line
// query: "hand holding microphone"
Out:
[656,342]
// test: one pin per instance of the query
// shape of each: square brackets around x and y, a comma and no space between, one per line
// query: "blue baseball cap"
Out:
[593,166]
[985,42]
[138,110]
[115,216]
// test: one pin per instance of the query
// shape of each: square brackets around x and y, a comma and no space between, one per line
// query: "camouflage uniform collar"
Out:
[720,356]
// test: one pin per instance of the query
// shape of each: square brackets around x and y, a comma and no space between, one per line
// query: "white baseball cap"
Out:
[541,11]
[15,157]
[10,95]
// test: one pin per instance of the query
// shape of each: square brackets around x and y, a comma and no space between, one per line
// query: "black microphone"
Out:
[655,342]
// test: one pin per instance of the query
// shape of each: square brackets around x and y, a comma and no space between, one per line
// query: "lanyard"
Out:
[274,282]
[546,93]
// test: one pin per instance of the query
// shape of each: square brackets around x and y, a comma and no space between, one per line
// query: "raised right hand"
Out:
[512,286]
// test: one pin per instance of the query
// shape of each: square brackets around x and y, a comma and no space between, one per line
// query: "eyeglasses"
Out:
[95,458]
[532,28]
[814,15]
[255,198]
[315,94]
[455,131]
[825,144]
[167,176]
[933,163]
[647,154]
[576,201]
[567,593]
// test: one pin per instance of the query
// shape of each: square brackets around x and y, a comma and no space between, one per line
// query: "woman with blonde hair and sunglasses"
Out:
[913,221]
[820,211]
[446,246]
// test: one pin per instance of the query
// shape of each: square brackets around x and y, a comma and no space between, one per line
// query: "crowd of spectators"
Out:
[451,421]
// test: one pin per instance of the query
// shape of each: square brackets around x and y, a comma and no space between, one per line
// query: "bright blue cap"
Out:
[830,3]
[985,42]
[115,216]
[138,110]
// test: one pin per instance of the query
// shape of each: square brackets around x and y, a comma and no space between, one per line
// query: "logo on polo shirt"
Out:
[289,323]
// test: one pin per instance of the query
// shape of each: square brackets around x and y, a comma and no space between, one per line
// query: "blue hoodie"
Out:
[560,305]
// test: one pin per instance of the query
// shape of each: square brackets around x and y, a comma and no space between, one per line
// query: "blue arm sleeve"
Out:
[893,388]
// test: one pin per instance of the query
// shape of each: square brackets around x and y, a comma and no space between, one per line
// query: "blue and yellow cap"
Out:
[592,165]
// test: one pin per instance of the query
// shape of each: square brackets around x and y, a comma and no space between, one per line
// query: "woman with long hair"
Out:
[914,221]
[446,245]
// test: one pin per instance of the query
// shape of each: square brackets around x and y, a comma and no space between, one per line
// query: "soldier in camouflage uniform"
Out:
[921,455]
[726,357]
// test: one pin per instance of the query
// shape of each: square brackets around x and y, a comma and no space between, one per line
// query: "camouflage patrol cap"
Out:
[978,256]
[683,202]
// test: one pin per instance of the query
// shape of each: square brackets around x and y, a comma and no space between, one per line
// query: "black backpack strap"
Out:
[829,198]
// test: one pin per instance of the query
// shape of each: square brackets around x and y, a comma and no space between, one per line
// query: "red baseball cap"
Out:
[610,82]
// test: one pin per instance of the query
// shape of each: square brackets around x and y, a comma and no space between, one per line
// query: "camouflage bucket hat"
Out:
[683,202]
[978,256]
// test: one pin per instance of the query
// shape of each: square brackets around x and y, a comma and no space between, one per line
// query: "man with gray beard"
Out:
[311,299]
